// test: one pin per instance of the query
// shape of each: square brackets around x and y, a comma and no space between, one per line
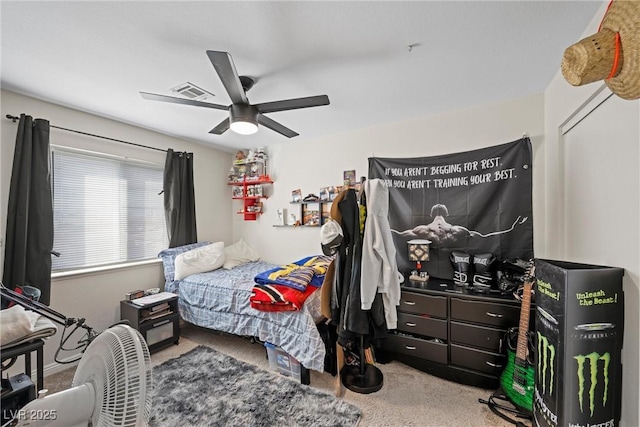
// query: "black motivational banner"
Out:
[476,202]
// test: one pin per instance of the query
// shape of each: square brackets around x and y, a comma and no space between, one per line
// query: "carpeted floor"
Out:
[409,397]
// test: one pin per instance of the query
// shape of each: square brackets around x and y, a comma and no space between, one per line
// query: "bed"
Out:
[219,300]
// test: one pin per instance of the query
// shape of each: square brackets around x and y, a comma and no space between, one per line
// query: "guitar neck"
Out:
[525,309]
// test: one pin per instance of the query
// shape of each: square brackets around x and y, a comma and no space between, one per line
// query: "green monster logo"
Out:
[546,357]
[593,359]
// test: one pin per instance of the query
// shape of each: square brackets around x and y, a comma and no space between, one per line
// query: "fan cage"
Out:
[119,367]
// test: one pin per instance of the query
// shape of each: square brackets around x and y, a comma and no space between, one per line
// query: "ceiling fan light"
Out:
[244,127]
[243,118]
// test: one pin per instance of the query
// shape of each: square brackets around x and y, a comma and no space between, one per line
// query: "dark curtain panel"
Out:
[179,199]
[27,257]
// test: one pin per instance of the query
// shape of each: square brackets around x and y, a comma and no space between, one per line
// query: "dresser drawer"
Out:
[478,360]
[421,325]
[502,315]
[422,349]
[431,305]
[477,336]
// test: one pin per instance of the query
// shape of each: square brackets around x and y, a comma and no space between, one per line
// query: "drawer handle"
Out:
[155,325]
[498,315]
[409,302]
[495,365]
[411,324]
[409,347]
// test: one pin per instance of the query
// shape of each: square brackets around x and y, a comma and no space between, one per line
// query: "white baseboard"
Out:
[55,367]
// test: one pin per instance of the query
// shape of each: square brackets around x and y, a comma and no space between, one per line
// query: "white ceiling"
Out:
[96,57]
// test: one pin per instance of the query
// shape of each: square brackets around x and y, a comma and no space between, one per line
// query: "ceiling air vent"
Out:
[191,91]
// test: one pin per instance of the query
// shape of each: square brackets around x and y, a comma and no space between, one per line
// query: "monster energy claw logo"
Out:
[546,358]
[593,359]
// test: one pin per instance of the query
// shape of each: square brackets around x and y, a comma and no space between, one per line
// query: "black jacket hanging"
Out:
[354,321]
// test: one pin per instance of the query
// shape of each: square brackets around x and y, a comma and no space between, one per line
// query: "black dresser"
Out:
[454,333]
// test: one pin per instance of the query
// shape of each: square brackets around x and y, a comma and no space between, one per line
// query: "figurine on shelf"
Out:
[260,154]
[254,170]
[240,156]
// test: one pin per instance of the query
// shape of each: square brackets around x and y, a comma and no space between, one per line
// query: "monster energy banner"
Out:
[475,202]
[579,329]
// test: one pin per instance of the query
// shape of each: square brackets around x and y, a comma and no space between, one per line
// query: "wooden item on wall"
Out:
[612,54]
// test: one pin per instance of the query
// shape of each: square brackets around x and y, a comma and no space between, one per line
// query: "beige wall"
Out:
[618,225]
[309,165]
[96,296]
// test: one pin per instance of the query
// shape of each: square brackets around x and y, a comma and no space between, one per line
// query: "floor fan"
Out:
[110,387]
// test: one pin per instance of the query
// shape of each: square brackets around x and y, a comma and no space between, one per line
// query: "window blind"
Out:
[105,210]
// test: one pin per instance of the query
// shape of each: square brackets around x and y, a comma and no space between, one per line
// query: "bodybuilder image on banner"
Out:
[475,201]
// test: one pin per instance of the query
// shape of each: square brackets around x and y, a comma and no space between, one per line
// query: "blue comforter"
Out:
[219,300]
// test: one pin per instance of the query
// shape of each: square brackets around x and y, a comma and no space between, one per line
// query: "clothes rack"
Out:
[16,118]
[363,379]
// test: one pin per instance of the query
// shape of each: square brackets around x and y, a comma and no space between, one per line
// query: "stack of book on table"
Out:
[155,312]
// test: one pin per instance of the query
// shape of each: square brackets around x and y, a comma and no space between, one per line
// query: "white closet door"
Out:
[601,187]
[602,215]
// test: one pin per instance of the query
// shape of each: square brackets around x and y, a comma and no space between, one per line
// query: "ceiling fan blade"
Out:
[222,127]
[293,104]
[174,100]
[223,63]
[275,126]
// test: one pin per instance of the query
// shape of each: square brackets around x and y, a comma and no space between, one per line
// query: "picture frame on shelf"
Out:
[296,196]
[324,194]
[281,216]
[311,214]
[239,172]
[349,177]
[326,212]
[254,191]
[237,191]
[256,170]
[334,191]
[255,208]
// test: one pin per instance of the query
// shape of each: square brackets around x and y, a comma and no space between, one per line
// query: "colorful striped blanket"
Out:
[286,288]
[297,275]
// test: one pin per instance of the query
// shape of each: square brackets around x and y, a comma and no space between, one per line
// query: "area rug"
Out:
[206,388]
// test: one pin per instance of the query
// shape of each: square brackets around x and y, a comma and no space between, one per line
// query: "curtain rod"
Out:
[15,118]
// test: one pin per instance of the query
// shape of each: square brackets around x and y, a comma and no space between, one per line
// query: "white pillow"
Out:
[200,260]
[239,253]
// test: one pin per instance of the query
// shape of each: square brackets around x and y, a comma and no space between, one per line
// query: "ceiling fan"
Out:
[243,116]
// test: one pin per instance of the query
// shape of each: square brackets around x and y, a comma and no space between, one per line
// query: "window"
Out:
[106,210]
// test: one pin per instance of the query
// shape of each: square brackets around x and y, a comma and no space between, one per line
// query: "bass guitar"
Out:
[517,379]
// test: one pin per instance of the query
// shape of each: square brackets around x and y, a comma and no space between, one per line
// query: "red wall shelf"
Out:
[251,205]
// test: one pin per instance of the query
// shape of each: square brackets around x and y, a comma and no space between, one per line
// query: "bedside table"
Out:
[158,322]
